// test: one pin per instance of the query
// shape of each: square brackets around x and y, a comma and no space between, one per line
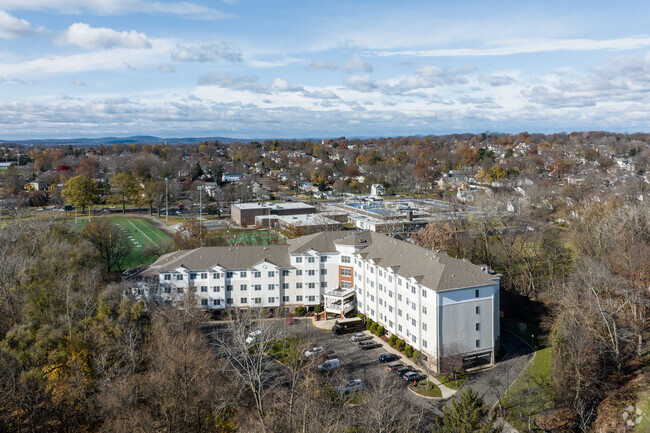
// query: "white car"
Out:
[253,337]
[360,337]
[313,351]
[351,386]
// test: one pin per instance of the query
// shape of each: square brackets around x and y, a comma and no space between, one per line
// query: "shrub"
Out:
[369,323]
[392,340]
[361,316]
[400,344]
[417,356]
[408,351]
[300,310]
[380,331]
[318,309]
[373,327]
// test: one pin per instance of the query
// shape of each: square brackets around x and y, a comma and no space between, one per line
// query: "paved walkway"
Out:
[446,392]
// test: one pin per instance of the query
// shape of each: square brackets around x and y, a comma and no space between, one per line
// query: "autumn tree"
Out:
[435,236]
[80,191]
[125,189]
[111,244]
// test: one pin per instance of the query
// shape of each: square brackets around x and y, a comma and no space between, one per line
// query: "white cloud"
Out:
[353,64]
[497,80]
[360,83]
[524,46]
[208,53]
[320,94]
[117,7]
[169,69]
[12,27]
[249,83]
[84,36]
[78,83]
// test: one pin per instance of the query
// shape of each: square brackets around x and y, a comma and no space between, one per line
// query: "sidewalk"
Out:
[446,392]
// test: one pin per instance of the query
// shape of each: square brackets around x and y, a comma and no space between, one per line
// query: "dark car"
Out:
[388,357]
[402,371]
[367,345]
[413,376]
[396,366]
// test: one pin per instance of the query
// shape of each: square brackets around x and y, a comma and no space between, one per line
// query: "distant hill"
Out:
[137,139]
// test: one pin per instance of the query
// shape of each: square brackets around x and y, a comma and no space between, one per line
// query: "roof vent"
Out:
[453,275]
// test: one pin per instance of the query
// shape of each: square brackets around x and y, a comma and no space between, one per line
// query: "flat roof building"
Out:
[244,213]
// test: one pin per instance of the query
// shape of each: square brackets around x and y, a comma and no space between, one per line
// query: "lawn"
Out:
[140,232]
[427,389]
[287,349]
[255,237]
[453,384]
[531,393]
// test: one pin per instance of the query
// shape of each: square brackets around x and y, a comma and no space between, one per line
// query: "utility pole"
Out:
[166,200]
[200,188]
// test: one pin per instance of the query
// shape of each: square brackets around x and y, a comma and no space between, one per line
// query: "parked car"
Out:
[402,371]
[329,365]
[253,337]
[313,351]
[367,345]
[351,386]
[388,357]
[413,376]
[396,366]
[360,337]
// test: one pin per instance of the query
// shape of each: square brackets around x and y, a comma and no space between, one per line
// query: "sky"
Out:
[321,69]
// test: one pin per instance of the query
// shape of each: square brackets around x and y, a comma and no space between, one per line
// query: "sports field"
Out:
[261,237]
[140,232]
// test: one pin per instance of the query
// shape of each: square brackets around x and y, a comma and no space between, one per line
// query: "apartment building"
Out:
[439,305]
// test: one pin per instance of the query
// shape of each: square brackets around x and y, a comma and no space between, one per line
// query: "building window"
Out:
[414,338]
[168,277]
[372,270]
[346,272]
[257,274]
[229,301]
[478,310]
[258,300]
[372,298]
[424,343]
[271,286]
[360,290]
[179,277]
[168,289]
[271,299]
[390,323]
[204,275]
[215,289]
[390,308]
[345,259]
[476,293]
[310,259]
[311,298]
[323,258]
[478,343]
[285,299]
[390,293]
[257,287]
[478,326]
[298,272]
[311,272]
[285,273]
[390,278]
[413,289]
[399,328]
[424,326]
[229,274]
[285,285]
[204,289]
[215,275]
[298,285]
[311,285]
[204,302]
[346,285]
[243,300]
[323,271]
[228,287]
[323,284]
[242,274]
[408,333]
[243,287]
[298,259]
[424,310]
[299,298]
[399,297]
[399,312]
[413,322]
[399,281]
[424,293]
[271,274]
[372,312]
[360,304]
[216,302]
[193,276]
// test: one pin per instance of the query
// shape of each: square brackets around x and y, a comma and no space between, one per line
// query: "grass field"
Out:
[140,232]
[250,237]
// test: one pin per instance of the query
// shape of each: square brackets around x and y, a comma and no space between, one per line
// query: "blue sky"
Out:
[263,69]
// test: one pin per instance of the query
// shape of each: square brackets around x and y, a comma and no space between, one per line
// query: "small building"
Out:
[245,213]
[377,189]
[231,177]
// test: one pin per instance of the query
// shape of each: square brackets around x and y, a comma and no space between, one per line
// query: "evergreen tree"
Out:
[467,414]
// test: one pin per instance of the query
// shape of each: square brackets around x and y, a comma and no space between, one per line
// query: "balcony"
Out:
[340,301]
